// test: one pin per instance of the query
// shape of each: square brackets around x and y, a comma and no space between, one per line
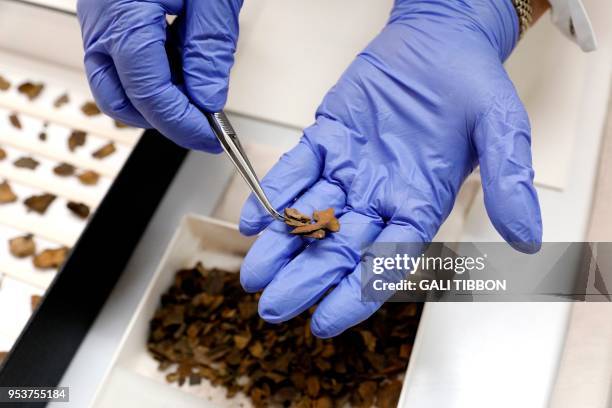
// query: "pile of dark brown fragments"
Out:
[207,327]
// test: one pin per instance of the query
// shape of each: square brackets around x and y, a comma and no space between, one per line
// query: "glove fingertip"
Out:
[203,144]
[248,279]
[253,218]
[524,236]
[210,146]
[210,97]
[527,247]
[191,131]
[319,329]
[268,312]
[516,216]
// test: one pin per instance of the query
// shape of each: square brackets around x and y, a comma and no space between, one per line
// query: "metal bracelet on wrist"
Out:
[524,11]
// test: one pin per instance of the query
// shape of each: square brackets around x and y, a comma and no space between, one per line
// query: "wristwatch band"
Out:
[524,11]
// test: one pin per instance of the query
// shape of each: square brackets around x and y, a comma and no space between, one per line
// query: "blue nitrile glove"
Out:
[128,69]
[424,104]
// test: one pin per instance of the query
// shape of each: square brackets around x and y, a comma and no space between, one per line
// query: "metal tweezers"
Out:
[229,141]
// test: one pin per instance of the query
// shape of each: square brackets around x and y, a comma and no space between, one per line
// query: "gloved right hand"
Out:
[129,72]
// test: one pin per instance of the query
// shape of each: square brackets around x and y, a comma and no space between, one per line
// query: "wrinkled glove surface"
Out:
[129,72]
[416,112]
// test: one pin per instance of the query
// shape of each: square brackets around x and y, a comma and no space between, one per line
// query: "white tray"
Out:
[133,379]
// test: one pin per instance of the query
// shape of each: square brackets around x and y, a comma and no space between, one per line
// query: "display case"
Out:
[50,131]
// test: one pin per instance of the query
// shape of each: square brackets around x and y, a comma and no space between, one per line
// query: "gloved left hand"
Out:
[129,72]
[414,114]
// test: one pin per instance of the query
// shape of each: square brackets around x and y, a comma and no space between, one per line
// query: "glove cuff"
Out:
[500,23]
[497,20]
